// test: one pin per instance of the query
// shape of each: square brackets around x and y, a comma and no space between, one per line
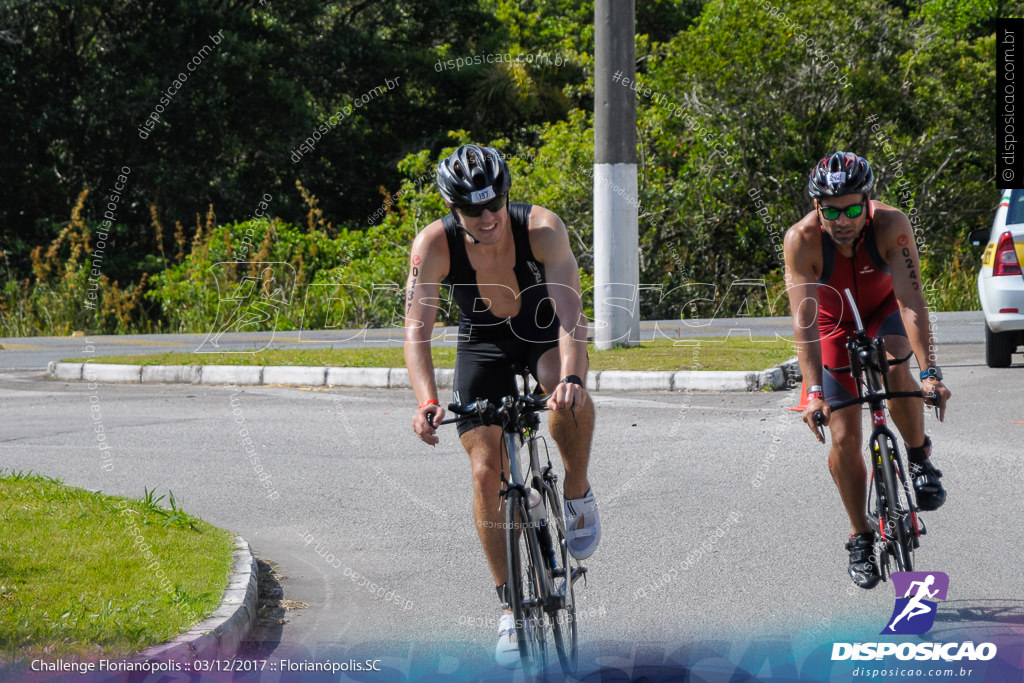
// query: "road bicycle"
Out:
[541,573]
[891,509]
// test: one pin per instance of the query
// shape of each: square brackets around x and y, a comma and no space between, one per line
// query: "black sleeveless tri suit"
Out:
[492,350]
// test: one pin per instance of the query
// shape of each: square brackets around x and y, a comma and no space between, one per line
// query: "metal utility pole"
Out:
[616,236]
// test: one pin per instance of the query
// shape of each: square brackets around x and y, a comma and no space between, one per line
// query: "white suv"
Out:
[1000,281]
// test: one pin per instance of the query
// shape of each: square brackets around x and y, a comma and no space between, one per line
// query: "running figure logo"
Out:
[916,596]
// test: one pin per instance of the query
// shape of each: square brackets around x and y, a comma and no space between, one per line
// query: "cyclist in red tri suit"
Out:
[517,285]
[851,241]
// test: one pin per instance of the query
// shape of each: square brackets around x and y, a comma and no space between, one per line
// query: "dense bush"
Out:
[734,105]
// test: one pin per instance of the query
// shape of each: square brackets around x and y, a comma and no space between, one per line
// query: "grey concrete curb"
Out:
[221,634]
[781,376]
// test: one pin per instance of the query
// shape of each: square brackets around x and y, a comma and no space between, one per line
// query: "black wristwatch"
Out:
[935,372]
[571,379]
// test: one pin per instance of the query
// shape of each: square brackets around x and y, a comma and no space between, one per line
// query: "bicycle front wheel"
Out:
[524,585]
[564,618]
[896,516]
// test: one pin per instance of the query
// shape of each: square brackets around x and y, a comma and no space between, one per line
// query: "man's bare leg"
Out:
[573,434]
[482,445]
[846,464]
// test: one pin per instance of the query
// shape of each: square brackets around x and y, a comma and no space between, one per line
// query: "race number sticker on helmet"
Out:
[840,174]
[481,195]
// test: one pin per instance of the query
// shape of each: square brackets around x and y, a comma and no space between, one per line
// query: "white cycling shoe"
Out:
[506,652]
[582,541]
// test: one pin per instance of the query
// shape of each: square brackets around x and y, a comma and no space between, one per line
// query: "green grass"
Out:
[712,353]
[84,575]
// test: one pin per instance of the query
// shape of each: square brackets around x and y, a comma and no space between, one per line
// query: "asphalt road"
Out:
[723,534]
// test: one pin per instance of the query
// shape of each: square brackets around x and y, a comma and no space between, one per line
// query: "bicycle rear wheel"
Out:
[524,585]
[563,619]
[896,516]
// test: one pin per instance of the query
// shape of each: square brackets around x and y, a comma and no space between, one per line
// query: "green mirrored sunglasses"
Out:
[832,212]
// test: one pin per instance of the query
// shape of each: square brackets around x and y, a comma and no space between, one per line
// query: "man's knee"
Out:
[845,437]
[900,378]
[566,424]
[484,459]
[549,369]
[486,480]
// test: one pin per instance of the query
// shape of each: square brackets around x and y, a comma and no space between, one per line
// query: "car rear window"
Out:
[1015,214]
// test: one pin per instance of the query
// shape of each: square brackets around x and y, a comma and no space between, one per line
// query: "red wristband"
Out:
[429,402]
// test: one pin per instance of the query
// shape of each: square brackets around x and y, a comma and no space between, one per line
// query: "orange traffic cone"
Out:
[803,397]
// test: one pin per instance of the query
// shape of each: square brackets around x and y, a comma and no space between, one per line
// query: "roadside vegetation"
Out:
[709,353]
[84,575]
[220,227]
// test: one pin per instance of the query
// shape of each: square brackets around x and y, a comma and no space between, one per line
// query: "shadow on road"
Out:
[270,617]
[999,621]
[993,612]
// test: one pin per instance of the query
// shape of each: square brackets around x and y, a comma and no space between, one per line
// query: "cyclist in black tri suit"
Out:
[517,285]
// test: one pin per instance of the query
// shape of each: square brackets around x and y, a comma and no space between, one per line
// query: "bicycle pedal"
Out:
[577,573]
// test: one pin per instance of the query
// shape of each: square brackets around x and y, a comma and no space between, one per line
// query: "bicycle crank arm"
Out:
[577,573]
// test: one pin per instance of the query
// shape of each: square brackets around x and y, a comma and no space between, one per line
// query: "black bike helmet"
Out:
[842,173]
[473,175]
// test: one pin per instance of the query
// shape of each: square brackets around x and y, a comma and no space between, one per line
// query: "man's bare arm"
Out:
[551,247]
[428,264]
[802,288]
[905,267]
[563,278]
[904,264]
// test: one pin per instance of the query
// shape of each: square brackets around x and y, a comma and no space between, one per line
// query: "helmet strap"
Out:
[458,222]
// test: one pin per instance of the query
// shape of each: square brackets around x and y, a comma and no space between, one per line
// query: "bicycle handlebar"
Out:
[493,414]
[479,406]
[878,397]
[819,423]
[848,368]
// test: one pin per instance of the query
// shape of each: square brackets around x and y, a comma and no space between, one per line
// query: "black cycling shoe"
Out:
[930,493]
[863,567]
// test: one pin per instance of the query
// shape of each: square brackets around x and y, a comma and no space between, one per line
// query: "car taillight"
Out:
[1006,258]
